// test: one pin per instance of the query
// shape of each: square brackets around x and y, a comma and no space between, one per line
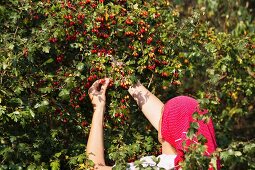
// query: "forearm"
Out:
[150,105]
[95,145]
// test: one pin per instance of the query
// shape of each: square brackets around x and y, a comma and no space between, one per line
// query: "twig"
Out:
[16,31]
[250,72]
[114,61]
[152,76]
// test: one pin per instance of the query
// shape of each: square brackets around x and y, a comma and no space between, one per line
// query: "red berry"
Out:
[84,123]
[87,85]
[93,51]
[65,120]
[176,74]
[93,5]
[149,40]
[99,19]
[102,81]
[164,74]
[129,21]
[60,58]
[129,33]
[71,23]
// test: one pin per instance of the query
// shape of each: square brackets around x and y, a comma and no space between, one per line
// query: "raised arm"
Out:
[150,105]
[95,145]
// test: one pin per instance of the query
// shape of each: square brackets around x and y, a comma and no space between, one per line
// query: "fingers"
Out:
[99,85]
[94,86]
[105,83]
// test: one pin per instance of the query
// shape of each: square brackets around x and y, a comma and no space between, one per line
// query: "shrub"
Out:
[52,51]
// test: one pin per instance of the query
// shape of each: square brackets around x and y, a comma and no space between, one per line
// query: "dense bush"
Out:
[52,51]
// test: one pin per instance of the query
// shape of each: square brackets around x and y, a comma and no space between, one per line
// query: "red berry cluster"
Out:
[92,78]
[60,58]
[129,33]
[101,51]
[53,40]
[102,27]
[129,21]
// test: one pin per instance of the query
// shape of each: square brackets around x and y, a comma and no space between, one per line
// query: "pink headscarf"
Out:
[176,119]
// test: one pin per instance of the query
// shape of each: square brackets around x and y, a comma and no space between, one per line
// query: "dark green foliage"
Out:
[51,51]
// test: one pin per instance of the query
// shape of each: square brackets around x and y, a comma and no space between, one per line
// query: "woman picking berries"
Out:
[171,120]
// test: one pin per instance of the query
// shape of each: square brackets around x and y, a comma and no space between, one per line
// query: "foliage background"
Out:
[51,52]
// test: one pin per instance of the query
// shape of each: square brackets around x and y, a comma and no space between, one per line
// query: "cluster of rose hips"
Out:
[101,51]
[53,40]
[60,58]
[101,27]
[122,76]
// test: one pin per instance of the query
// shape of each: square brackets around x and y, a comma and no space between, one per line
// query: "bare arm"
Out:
[150,105]
[95,145]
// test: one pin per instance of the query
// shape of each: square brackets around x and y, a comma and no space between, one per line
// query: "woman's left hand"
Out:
[97,93]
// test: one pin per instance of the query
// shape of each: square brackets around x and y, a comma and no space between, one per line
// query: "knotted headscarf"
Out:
[176,119]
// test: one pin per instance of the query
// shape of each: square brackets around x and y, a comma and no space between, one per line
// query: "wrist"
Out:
[99,108]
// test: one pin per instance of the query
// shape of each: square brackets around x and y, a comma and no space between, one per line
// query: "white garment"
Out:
[165,162]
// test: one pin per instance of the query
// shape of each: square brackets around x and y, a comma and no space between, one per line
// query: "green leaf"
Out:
[41,104]
[64,94]
[45,89]
[11,46]
[57,155]
[5,65]
[249,148]
[194,125]
[2,110]
[37,156]
[70,82]
[46,49]
[50,60]
[238,153]
[31,112]
[80,66]
[31,166]
[15,116]
[135,6]
[55,165]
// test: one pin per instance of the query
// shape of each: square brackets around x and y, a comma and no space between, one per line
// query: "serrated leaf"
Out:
[70,82]
[31,167]
[64,94]
[45,90]
[80,66]
[194,125]
[46,49]
[238,153]
[48,61]
[11,46]
[135,6]
[31,113]
[2,110]
[5,65]
[58,154]
[41,104]
[55,165]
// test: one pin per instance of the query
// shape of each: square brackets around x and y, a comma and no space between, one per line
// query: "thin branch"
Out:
[152,76]
[16,31]
[250,72]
